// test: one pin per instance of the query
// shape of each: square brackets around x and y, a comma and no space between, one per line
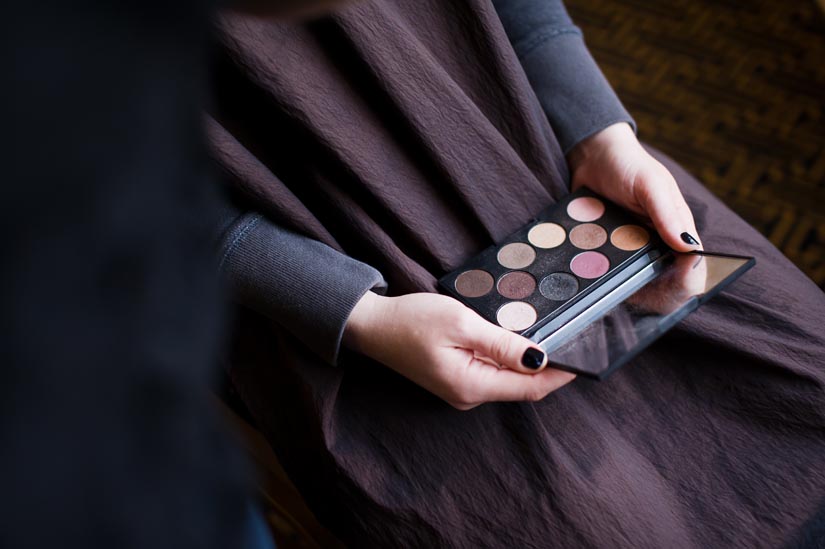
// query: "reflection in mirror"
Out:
[719,268]
[676,284]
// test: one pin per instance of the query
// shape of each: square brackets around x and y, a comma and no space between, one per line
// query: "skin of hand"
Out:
[614,164]
[448,349]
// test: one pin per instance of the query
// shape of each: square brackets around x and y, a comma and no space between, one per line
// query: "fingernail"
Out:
[533,358]
[689,239]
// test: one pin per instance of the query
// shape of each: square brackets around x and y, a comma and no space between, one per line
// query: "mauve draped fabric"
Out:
[405,134]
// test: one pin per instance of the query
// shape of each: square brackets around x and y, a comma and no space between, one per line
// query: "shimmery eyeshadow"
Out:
[588,236]
[516,255]
[516,316]
[559,286]
[589,265]
[516,285]
[585,209]
[630,237]
[546,235]
[475,283]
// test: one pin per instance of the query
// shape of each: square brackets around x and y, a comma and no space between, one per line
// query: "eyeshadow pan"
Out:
[516,316]
[588,236]
[629,237]
[585,209]
[559,286]
[516,255]
[516,285]
[474,283]
[546,235]
[590,265]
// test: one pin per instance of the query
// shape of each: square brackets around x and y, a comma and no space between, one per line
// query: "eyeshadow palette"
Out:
[540,270]
[574,265]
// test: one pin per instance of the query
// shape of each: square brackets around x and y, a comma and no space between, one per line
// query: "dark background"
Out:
[735,91]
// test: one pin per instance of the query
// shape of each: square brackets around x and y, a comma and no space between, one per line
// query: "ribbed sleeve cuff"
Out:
[574,94]
[304,285]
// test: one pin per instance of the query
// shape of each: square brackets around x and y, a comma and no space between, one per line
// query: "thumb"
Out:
[503,346]
[663,202]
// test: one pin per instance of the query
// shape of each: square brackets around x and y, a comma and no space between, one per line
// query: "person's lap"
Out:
[712,436]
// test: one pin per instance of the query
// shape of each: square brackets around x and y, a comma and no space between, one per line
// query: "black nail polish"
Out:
[689,239]
[533,358]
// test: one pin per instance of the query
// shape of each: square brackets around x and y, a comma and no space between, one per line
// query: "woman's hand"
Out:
[451,351]
[615,165]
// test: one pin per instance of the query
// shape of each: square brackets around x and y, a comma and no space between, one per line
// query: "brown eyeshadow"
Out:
[630,237]
[475,283]
[516,285]
[588,236]
[516,255]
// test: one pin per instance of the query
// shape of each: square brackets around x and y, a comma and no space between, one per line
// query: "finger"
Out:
[502,346]
[663,202]
[509,386]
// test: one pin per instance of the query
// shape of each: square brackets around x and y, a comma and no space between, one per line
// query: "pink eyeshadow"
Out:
[585,209]
[590,265]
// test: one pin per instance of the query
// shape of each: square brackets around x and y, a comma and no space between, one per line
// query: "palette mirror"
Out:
[612,329]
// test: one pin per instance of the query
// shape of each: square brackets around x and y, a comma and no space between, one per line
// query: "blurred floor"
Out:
[735,91]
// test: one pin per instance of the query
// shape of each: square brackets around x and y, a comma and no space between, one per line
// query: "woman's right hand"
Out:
[451,351]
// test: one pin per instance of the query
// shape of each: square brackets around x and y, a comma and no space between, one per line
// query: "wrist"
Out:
[362,321]
[619,134]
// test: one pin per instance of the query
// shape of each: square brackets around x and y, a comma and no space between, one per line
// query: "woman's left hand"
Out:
[615,165]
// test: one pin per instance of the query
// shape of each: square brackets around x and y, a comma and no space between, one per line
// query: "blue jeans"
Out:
[258,535]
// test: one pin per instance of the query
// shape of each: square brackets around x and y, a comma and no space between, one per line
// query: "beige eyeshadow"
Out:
[546,235]
[475,283]
[516,255]
[516,316]
[588,236]
[629,237]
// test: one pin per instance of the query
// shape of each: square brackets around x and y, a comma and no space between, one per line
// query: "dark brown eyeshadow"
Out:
[516,285]
[475,283]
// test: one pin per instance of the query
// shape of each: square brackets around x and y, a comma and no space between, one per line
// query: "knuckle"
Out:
[644,191]
[461,407]
[502,346]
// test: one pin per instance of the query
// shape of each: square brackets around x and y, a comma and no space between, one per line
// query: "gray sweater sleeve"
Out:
[573,92]
[304,285]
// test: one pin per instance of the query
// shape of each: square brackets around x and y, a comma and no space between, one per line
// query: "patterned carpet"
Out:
[735,91]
